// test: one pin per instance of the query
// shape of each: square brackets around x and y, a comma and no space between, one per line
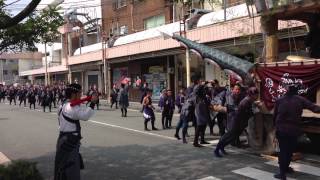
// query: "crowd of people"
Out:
[47,97]
[203,104]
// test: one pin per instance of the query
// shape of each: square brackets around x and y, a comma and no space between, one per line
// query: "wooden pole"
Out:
[269,26]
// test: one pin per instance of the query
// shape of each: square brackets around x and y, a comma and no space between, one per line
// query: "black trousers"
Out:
[200,130]
[14,100]
[230,136]
[44,107]
[34,105]
[24,102]
[166,118]
[124,112]
[287,144]
[54,101]
[114,102]
[221,123]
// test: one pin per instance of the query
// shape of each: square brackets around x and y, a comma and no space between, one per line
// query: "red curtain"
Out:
[272,78]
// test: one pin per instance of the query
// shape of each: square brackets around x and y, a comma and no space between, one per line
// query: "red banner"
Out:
[272,79]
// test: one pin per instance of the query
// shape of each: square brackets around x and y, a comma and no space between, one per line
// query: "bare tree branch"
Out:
[7,21]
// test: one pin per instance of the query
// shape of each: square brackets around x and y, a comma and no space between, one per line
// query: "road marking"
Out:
[4,159]
[256,174]
[157,113]
[212,143]
[307,169]
[210,178]
[133,130]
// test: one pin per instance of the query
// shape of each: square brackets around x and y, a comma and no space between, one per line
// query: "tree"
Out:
[6,21]
[38,28]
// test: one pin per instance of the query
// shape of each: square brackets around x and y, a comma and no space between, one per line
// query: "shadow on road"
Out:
[168,161]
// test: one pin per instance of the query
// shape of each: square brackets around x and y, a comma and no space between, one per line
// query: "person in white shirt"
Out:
[68,160]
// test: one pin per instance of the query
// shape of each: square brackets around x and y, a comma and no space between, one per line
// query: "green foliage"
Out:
[20,170]
[42,27]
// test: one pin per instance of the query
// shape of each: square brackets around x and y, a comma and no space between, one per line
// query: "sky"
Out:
[16,7]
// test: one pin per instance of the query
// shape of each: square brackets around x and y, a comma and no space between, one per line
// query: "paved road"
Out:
[118,148]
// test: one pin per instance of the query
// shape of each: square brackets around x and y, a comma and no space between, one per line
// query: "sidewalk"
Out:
[136,106]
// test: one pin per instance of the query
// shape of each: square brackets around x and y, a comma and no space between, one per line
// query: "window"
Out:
[123,30]
[5,72]
[137,1]
[154,21]
[119,4]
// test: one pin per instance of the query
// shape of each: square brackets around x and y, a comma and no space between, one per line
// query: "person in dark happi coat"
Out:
[2,93]
[143,89]
[162,101]
[114,96]
[180,99]
[170,106]
[46,98]
[32,97]
[202,113]
[221,117]
[230,101]
[22,95]
[288,117]
[68,160]
[148,112]
[241,117]
[12,93]
[124,99]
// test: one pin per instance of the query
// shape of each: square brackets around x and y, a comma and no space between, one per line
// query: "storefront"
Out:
[87,75]
[158,72]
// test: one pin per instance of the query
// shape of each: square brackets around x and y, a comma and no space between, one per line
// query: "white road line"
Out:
[212,143]
[256,174]
[210,178]
[307,169]
[133,130]
[158,113]
[4,159]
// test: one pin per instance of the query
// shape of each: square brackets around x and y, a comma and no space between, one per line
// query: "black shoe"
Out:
[204,142]
[290,170]
[217,153]
[280,176]
[154,128]
[197,145]
[184,141]
[177,136]
[146,129]
[224,152]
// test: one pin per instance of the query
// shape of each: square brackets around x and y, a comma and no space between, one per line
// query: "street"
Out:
[117,148]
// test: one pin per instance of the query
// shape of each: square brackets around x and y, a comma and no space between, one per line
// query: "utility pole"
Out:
[104,44]
[187,49]
[46,65]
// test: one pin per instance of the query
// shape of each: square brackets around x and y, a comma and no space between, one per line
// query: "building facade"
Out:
[138,49]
